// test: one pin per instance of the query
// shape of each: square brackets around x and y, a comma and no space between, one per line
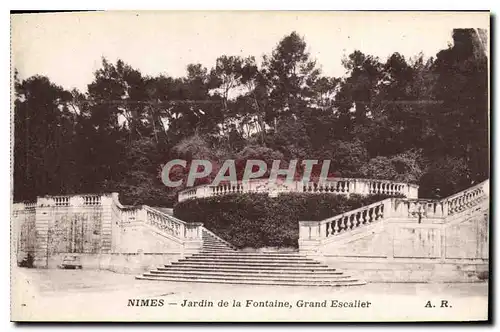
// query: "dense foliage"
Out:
[419,120]
[257,220]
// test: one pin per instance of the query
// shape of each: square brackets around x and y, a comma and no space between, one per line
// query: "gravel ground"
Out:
[91,295]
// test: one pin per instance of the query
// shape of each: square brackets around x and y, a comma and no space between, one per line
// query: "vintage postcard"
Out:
[176,166]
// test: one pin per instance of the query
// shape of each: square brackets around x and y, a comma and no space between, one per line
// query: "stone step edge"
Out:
[256,254]
[223,256]
[241,282]
[347,279]
[248,259]
[247,274]
[252,264]
[231,269]
[257,271]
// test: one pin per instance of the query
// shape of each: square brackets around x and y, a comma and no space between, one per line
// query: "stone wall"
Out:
[132,263]
[23,232]
[142,238]
[100,230]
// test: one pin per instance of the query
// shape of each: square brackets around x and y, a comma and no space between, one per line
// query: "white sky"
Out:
[68,47]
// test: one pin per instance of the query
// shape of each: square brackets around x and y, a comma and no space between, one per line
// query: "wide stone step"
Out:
[258,282]
[214,247]
[236,263]
[298,269]
[250,277]
[215,251]
[249,260]
[270,270]
[246,274]
[243,254]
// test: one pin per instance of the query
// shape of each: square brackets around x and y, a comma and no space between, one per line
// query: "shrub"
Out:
[257,220]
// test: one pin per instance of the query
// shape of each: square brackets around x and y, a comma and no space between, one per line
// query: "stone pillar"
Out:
[352,186]
[445,208]
[116,222]
[141,215]
[43,221]
[412,191]
[309,238]
[389,208]
[486,187]
[18,218]
[362,187]
[193,240]
[106,223]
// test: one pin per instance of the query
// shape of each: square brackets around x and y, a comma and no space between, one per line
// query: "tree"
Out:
[357,92]
[407,167]
[415,119]
[44,161]
[461,120]
[226,76]
[291,74]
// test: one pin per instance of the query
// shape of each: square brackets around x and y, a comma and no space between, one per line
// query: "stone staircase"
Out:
[214,244]
[219,262]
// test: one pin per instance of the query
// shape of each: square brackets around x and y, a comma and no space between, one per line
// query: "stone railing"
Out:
[467,198]
[405,209]
[438,209]
[82,200]
[172,225]
[342,186]
[135,215]
[325,229]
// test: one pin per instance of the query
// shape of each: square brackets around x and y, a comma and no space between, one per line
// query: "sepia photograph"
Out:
[250,166]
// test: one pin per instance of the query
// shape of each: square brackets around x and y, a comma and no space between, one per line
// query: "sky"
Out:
[68,47]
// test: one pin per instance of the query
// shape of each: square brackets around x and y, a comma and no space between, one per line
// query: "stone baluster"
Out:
[362,218]
[344,223]
[349,222]
[335,226]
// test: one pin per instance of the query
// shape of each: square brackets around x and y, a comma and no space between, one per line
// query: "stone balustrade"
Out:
[83,200]
[405,209]
[341,186]
[325,229]
[461,201]
[172,225]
